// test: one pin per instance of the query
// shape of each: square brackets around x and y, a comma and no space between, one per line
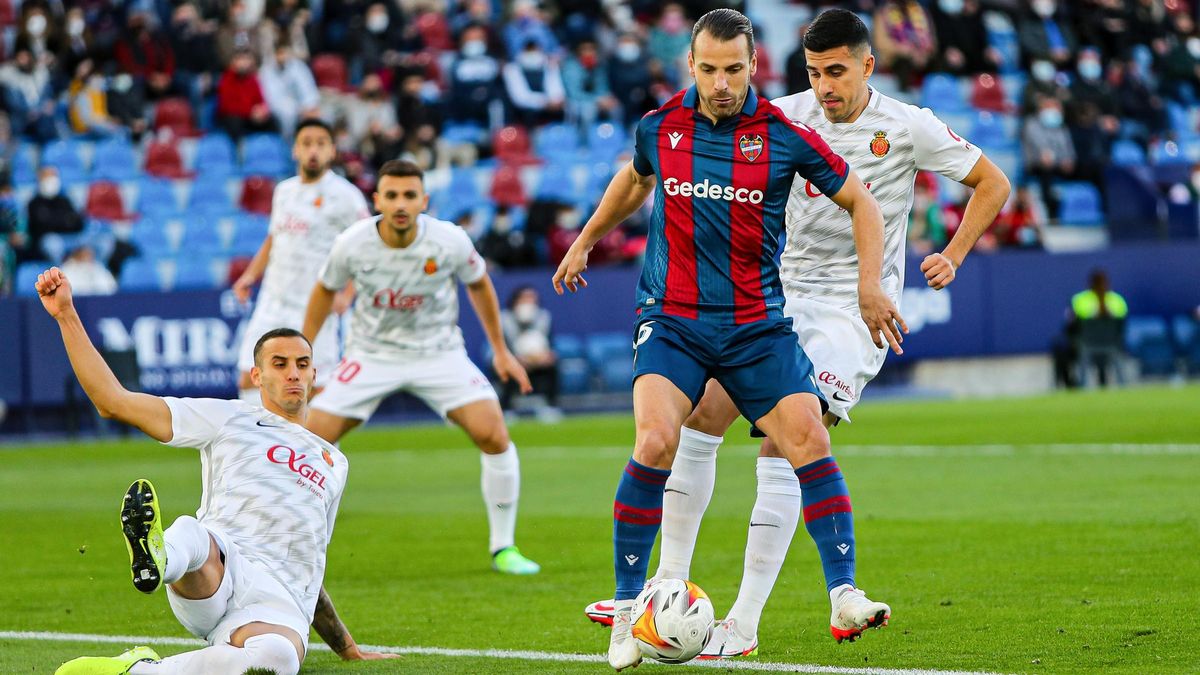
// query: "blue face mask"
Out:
[1051,118]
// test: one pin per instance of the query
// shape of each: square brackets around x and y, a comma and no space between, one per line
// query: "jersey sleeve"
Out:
[642,139]
[358,208]
[195,422]
[336,272]
[468,264]
[815,161]
[938,149]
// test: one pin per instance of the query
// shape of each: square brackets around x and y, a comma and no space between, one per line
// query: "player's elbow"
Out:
[105,412]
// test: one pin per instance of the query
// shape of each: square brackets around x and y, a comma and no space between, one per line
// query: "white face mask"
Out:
[75,27]
[473,48]
[36,25]
[50,186]
[1193,47]
[1196,181]
[951,6]
[531,60]
[377,23]
[1051,118]
[1090,70]
[525,312]
[628,51]
[1044,8]
[1043,71]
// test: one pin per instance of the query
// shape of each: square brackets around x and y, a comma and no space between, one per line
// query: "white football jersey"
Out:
[407,298]
[305,219]
[271,485]
[886,146]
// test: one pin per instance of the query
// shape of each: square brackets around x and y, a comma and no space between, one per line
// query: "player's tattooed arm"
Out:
[335,634]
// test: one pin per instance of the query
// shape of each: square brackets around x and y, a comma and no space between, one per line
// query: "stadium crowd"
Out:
[123,122]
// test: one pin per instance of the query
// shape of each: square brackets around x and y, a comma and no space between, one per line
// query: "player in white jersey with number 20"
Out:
[887,142]
[246,573]
[308,211]
[404,336]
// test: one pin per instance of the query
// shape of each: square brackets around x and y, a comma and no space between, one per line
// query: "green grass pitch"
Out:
[1008,536]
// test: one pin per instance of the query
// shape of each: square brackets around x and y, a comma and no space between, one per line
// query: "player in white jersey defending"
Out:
[246,573]
[887,142]
[404,336]
[308,211]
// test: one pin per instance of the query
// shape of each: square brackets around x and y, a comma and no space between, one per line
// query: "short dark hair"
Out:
[724,25]
[401,168]
[277,333]
[835,28]
[313,122]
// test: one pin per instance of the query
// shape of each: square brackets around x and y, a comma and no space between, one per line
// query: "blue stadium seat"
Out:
[26,277]
[24,165]
[1149,342]
[942,93]
[150,236]
[558,182]
[991,130]
[265,155]
[1127,153]
[139,274]
[67,156]
[115,160]
[195,271]
[202,235]
[215,155]
[556,141]
[1186,331]
[462,134]
[1079,204]
[611,356]
[156,199]
[574,374]
[210,196]
[1166,151]
[606,141]
[598,179]
[460,196]
[248,234]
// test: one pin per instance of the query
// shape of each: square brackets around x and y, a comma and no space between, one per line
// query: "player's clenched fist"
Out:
[939,270]
[54,291]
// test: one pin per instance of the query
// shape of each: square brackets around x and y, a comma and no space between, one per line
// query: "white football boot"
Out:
[853,613]
[601,612]
[623,651]
[727,643]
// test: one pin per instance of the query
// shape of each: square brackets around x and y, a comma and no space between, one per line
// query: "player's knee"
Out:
[656,447]
[494,441]
[812,439]
[274,653]
[710,418]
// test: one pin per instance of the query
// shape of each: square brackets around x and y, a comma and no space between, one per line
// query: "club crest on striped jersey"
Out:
[751,146]
[880,144]
[431,266]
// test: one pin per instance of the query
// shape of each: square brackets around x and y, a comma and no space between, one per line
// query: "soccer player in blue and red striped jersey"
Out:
[710,299]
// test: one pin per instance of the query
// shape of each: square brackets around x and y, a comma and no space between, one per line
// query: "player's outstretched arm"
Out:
[877,310]
[625,194]
[320,303]
[991,192]
[253,272]
[331,629]
[146,412]
[482,295]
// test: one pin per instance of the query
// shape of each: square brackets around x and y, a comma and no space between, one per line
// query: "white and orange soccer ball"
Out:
[672,620]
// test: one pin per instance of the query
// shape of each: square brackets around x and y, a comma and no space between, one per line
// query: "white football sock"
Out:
[501,481]
[772,524]
[686,496]
[251,395]
[187,545]
[270,651]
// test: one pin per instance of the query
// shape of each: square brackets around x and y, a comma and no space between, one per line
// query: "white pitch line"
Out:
[983,450]
[557,657]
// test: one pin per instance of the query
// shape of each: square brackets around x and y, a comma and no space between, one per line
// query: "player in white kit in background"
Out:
[404,336]
[246,573]
[308,211]
[887,142]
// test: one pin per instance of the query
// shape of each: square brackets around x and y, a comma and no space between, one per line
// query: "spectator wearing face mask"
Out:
[127,104]
[1045,35]
[669,42]
[1090,88]
[196,61]
[962,38]
[534,86]
[77,42]
[505,246]
[241,107]
[474,79]
[89,103]
[288,88]
[146,54]
[1138,99]
[28,96]
[40,35]
[50,212]
[585,79]
[1049,150]
[382,34]
[1179,62]
[88,276]
[526,326]
[526,25]
[420,117]
[1044,82]
[371,116]
[629,78]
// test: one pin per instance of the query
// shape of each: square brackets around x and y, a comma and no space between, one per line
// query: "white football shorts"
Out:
[326,351]
[247,594]
[839,345]
[444,381]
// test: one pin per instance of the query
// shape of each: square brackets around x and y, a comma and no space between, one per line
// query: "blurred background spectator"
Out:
[87,275]
[526,327]
[50,212]
[905,43]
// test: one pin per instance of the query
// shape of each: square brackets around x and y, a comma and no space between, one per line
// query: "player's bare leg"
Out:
[329,426]
[500,481]
[795,426]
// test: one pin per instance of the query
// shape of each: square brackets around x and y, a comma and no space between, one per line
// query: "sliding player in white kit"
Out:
[404,336]
[308,211]
[246,573]
[887,142]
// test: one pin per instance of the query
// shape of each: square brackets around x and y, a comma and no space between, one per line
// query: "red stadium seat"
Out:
[176,114]
[987,93]
[329,70]
[434,31]
[104,202]
[507,189]
[163,160]
[8,14]
[511,146]
[256,195]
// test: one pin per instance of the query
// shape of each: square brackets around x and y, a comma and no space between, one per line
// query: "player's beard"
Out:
[724,113]
[311,173]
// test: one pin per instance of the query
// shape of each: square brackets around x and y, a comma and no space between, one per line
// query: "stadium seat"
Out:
[163,160]
[507,189]
[1186,331]
[105,203]
[511,146]
[558,183]
[196,271]
[434,31]
[989,130]
[459,134]
[1079,204]
[1166,151]
[1147,339]
[26,277]
[1127,153]
[139,274]
[265,155]
[154,237]
[330,72]
[606,141]
[66,155]
[987,93]
[611,356]
[248,234]
[215,155]
[175,114]
[156,199]
[574,374]
[201,234]
[941,92]
[256,195]
[24,164]
[210,195]
[599,176]
[115,161]
[556,141]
